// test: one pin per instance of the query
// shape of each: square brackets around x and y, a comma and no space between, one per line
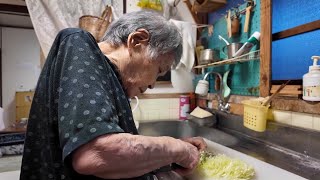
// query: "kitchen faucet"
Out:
[203,87]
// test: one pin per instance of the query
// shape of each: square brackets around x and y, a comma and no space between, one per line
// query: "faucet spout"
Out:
[203,87]
[220,98]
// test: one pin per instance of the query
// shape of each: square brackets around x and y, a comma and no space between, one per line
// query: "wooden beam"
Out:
[14,8]
[297,30]
[278,103]
[265,47]
[296,105]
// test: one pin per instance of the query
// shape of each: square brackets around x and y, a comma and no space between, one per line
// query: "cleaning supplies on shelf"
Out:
[311,81]
[253,40]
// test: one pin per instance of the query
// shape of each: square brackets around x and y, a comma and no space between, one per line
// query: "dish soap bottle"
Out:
[311,81]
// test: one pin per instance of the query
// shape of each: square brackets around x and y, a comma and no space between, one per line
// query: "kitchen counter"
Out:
[294,149]
[283,158]
[273,146]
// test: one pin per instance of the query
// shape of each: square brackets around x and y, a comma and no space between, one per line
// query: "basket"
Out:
[255,115]
[95,25]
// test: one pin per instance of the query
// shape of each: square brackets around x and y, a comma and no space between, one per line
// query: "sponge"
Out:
[200,113]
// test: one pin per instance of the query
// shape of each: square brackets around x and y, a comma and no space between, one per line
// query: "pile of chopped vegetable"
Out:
[221,166]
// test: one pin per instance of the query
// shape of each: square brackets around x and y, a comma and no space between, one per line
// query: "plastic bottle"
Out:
[246,47]
[311,81]
[184,107]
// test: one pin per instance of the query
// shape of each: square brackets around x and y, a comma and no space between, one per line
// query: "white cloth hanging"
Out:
[189,36]
[50,16]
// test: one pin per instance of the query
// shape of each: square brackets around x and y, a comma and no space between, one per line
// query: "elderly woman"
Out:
[81,125]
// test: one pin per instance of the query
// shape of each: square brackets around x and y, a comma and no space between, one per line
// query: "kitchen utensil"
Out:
[221,38]
[231,49]
[248,14]
[275,94]
[198,51]
[229,24]
[226,88]
[235,23]
[209,56]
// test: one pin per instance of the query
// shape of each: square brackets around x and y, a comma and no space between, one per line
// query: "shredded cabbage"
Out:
[221,166]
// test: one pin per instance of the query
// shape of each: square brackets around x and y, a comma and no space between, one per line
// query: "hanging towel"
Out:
[189,36]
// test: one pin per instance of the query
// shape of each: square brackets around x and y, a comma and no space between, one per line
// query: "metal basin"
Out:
[183,129]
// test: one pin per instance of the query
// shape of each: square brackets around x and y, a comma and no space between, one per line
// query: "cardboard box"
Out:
[24,98]
[22,112]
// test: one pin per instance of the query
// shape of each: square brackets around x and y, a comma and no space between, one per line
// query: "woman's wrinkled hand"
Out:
[190,154]
[193,147]
[189,159]
[196,141]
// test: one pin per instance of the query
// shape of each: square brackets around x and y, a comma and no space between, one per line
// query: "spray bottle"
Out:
[311,82]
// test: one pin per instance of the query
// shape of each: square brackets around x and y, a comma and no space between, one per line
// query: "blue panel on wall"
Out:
[291,13]
[213,17]
[291,57]
[244,77]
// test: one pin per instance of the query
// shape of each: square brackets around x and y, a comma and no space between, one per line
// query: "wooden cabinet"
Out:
[23,104]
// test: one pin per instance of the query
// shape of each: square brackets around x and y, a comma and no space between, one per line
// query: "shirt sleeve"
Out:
[86,108]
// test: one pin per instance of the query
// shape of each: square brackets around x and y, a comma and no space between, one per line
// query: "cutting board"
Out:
[263,171]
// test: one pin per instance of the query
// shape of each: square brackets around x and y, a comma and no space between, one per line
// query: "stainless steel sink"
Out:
[182,129]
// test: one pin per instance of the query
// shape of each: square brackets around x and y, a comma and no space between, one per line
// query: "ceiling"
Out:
[11,18]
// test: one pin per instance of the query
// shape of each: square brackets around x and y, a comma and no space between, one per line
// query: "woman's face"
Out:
[137,70]
[141,72]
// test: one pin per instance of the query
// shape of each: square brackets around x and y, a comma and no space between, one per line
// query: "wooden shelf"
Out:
[251,56]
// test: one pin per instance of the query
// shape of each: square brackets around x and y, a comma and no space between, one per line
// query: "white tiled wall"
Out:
[303,120]
[156,109]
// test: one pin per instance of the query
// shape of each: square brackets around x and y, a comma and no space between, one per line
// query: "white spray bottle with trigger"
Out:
[311,81]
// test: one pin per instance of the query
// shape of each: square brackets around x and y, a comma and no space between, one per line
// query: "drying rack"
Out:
[251,56]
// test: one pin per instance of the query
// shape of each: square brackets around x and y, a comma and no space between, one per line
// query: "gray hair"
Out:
[164,36]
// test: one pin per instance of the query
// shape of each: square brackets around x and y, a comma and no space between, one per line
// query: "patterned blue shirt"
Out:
[78,97]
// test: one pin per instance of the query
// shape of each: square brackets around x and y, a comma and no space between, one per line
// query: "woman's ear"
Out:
[138,38]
